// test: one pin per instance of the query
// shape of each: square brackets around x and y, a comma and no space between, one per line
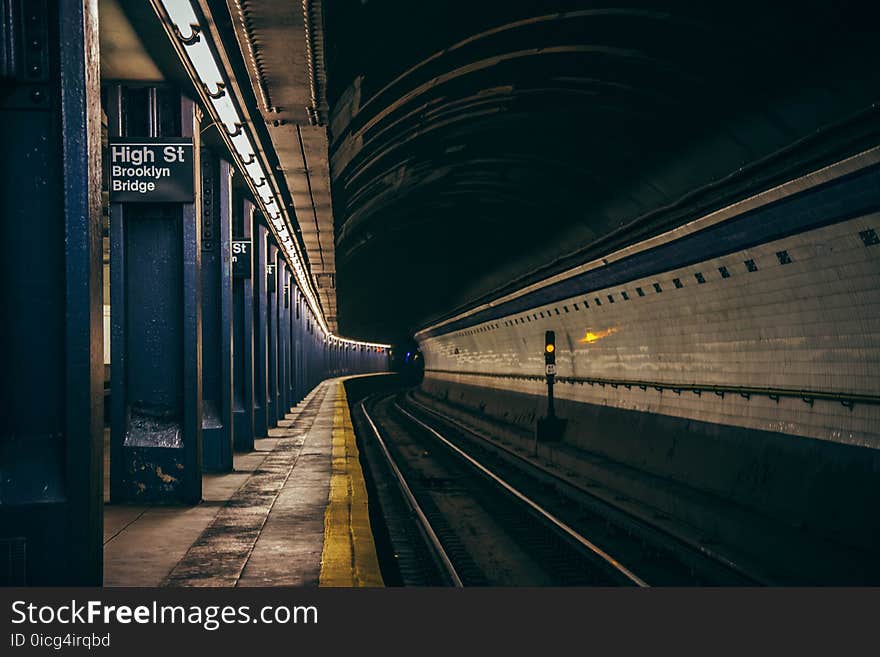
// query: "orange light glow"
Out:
[592,337]
[550,348]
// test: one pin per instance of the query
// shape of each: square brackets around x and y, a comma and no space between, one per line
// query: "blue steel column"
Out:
[321,346]
[303,349]
[317,348]
[261,332]
[302,340]
[314,354]
[307,350]
[302,357]
[243,337]
[51,401]
[291,339]
[299,337]
[272,323]
[155,299]
[284,340]
[288,344]
[296,315]
[283,408]
[216,313]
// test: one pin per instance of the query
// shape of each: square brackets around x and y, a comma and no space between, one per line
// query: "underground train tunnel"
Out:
[359,293]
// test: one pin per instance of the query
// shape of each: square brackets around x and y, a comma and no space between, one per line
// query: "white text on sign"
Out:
[134,168]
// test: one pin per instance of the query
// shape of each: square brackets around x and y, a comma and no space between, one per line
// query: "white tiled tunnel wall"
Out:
[810,324]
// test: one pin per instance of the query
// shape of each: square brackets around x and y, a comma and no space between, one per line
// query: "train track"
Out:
[489,516]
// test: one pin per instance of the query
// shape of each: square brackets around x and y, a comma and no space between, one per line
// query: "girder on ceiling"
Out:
[123,55]
[282,46]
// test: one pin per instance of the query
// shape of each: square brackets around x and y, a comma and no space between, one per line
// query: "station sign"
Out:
[270,277]
[152,170]
[241,258]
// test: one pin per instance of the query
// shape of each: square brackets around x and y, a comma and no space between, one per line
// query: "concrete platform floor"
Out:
[292,513]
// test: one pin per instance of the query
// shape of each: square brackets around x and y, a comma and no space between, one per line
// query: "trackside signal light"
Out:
[550,427]
[549,347]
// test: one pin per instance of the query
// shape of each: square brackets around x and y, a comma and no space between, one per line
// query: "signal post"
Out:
[550,427]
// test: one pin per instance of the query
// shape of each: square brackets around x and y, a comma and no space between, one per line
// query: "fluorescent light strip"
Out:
[182,15]
[209,82]
[203,62]
[242,146]
[227,113]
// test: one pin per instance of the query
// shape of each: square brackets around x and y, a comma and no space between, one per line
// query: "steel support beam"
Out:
[155,315]
[283,337]
[243,331]
[51,346]
[272,324]
[216,313]
[291,339]
[261,332]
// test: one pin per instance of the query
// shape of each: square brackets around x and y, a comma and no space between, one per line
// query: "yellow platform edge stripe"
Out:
[349,554]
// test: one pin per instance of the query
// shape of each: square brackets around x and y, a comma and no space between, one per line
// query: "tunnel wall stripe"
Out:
[849,196]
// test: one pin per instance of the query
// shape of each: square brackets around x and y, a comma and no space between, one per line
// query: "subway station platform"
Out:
[553,218]
[292,513]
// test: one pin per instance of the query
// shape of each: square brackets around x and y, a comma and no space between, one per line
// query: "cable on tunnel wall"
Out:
[807,396]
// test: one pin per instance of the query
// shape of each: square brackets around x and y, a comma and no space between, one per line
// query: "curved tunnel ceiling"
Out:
[477,146]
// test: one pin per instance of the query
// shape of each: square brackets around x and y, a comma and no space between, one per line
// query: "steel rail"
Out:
[721,560]
[424,523]
[544,513]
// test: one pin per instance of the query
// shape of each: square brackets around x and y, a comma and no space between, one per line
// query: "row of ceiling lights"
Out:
[217,97]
